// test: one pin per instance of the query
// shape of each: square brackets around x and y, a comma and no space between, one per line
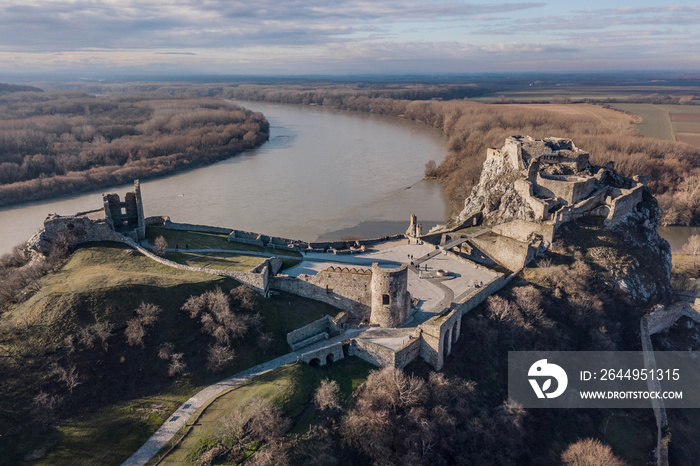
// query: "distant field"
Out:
[597,111]
[586,92]
[671,122]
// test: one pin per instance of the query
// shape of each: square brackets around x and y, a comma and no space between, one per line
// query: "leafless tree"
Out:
[219,356]
[326,396]
[160,245]
[45,407]
[69,376]
[135,332]
[692,247]
[590,452]
[177,364]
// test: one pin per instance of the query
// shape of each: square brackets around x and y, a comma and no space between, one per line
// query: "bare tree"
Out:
[160,245]
[177,365]
[135,332]
[692,247]
[218,357]
[326,396]
[69,375]
[590,452]
[45,407]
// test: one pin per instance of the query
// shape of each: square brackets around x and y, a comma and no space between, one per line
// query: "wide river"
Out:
[324,174]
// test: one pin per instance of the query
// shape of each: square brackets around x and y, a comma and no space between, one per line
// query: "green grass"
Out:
[291,387]
[216,260]
[197,240]
[106,282]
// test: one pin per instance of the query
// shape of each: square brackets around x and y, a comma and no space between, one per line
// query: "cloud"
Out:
[71,25]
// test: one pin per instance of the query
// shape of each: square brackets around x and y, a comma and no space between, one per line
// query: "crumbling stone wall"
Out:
[317,330]
[521,230]
[508,252]
[126,217]
[379,355]
[438,335]
[345,288]
[81,228]
[570,188]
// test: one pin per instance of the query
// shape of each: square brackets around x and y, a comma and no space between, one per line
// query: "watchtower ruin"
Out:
[126,217]
[391,301]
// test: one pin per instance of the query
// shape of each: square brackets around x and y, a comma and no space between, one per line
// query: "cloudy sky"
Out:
[347,36]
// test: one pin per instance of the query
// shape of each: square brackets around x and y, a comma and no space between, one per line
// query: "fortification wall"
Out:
[571,189]
[520,230]
[341,288]
[335,351]
[525,189]
[479,295]
[325,325]
[257,281]
[194,227]
[508,252]
[409,352]
[373,353]
[624,204]
[81,228]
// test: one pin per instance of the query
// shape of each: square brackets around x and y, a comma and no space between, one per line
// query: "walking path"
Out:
[178,419]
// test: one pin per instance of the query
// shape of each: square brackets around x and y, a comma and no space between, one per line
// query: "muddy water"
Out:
[324,174]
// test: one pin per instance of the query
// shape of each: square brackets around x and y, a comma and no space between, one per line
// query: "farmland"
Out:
[671,122]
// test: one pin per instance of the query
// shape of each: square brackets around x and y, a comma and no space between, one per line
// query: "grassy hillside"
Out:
[123,392]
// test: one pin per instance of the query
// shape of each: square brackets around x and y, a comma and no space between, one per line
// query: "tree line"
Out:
[64,141]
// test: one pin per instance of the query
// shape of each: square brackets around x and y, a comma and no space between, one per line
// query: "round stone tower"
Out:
[391,302]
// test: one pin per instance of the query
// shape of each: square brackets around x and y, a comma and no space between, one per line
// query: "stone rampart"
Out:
[325,325]
[624,204]
[379,355]
[80,228]
[193,227]
[520,230]
[479,295]
[570,188]
[257,281]
[409,352]
[345,288]
[438,335]
[508,252]
[323,355]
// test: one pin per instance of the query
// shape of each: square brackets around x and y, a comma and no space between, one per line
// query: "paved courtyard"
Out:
[434,291]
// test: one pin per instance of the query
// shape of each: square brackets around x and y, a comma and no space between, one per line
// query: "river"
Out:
[324,174]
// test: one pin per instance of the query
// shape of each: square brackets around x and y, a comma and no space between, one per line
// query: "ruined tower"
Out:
[391,301]
[126,217]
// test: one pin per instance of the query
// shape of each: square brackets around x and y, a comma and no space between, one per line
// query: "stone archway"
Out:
[315,362]
[330,358]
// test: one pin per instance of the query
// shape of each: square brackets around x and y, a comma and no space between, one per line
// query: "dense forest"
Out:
[60,142]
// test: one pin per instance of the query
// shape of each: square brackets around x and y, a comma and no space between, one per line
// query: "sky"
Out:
[297,37]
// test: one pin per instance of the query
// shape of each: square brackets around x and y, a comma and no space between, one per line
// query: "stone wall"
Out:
[508,252]
[345,288]
[438,335]
[325,325]
[624,204]
[521,230]
[81,228]
[335,351]
[257,281]
[379,355]
[193,227]
[479,295]
[570,188]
